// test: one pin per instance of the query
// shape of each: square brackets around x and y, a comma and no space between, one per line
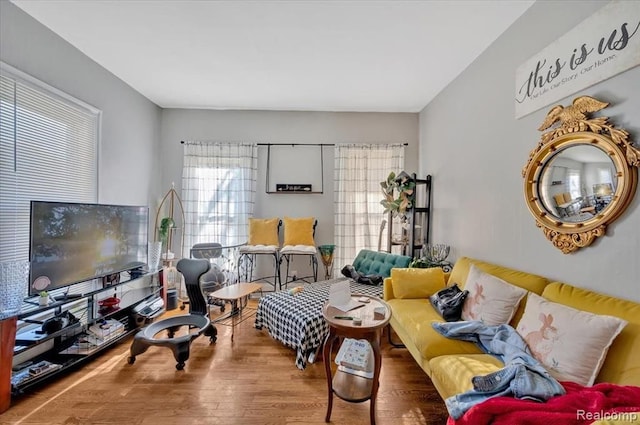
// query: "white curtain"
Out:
[358,171]
[218,190]
[574,183]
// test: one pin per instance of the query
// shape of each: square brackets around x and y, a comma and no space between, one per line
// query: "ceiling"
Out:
[386,56]
[585,153]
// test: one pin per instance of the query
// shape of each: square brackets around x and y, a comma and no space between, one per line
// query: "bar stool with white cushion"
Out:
[263,240]
[298,240]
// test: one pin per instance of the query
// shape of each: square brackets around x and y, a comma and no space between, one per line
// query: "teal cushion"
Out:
[380,263]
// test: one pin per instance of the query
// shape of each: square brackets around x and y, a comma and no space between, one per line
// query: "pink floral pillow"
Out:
[572,344]
[490,299]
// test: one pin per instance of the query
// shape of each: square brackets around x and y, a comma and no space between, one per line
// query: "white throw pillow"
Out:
[572,344]
[490,299]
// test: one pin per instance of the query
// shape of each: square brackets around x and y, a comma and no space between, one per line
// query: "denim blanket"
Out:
[522,377]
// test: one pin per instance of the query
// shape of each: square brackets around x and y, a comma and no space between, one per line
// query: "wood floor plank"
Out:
[250,380]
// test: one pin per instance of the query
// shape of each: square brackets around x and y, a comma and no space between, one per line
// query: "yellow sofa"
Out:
[452,363]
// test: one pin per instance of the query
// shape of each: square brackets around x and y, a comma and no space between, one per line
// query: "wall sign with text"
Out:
[603,45]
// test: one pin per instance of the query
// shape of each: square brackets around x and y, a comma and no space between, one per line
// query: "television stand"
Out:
[62,346]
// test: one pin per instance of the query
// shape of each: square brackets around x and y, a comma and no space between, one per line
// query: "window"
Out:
[573,183]
[358,171]
[604,175]
[218,188]
[48,152]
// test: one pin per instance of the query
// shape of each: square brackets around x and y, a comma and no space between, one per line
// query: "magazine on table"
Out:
[355,356]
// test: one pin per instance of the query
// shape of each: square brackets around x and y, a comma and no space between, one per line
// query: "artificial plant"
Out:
[166,224]
[402,187]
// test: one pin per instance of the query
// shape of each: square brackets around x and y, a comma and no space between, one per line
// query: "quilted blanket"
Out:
[296,320]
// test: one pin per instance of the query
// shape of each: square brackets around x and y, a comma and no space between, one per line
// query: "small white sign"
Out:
[603,45]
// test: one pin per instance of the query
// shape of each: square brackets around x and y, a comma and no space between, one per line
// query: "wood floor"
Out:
[252,380]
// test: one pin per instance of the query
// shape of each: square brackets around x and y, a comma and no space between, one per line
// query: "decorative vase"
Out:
[14,276]
[153,255]
[326,254]
[43,301]
[435,254]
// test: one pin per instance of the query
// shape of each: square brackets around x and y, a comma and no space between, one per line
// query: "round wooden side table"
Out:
[374,315]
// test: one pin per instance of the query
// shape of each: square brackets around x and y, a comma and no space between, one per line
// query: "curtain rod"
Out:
[291,144]
[295,144]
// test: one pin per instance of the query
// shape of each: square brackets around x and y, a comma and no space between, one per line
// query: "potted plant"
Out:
[43,300]
[166,224]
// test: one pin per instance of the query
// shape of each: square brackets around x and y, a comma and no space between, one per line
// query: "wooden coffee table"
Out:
[235,294]
[350,387]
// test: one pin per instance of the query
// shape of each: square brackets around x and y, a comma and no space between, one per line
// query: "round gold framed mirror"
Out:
[581,176]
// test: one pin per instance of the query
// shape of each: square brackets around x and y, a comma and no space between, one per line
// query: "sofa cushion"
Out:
[622,364]
[453,373]
[415,317]
[490,299]
[572,344]
[380,263]
[530,282]
[417,283]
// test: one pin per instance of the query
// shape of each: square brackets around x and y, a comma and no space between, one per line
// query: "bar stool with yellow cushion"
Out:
[263,240]
[564,203]
[298,240]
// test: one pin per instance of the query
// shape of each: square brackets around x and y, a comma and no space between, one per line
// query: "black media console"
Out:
[54,338]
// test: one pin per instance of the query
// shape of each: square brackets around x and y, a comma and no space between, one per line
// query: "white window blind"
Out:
[48,152]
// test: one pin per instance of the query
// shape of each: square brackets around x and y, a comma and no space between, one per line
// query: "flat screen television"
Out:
[72,243]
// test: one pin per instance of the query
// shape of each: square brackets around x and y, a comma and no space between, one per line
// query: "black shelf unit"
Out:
[417,231]
[49,347]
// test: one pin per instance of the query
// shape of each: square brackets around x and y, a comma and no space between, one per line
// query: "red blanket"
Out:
[579,406]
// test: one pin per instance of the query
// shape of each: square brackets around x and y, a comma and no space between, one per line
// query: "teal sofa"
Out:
[372,262]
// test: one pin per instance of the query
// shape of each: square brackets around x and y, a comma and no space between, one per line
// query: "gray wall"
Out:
[286,127]
[469,141]
[141,155]
[475,149]
[129,169]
